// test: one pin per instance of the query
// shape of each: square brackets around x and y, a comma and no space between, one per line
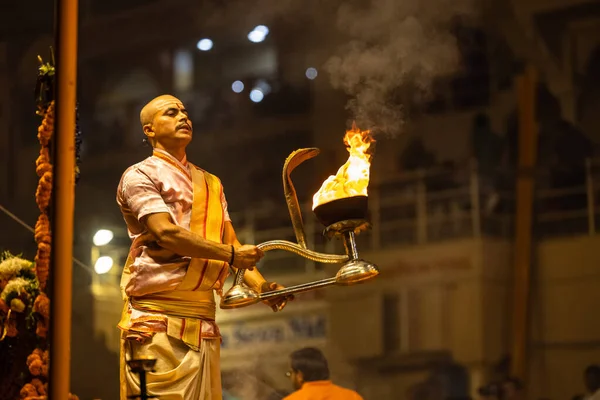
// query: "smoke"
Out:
[394,49]
[391,51]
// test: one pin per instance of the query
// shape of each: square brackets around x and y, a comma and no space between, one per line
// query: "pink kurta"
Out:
[155,186]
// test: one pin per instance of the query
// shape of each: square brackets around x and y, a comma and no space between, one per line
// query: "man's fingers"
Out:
[160,254]
[281,305]
[146,238]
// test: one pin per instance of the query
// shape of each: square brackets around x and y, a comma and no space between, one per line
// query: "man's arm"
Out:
[186,243]
[252,278]
[145,203]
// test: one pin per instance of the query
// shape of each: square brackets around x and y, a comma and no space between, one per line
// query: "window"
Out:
[391,322]
[183,71]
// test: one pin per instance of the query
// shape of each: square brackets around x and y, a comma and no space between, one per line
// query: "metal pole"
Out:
[590,197]
[143,388]
[310,230]
[526,92]
[350,245]
[63,200]
[375,207]
[421,205]
[475,206]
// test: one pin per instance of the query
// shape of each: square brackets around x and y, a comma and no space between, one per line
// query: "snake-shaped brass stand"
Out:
[353,271]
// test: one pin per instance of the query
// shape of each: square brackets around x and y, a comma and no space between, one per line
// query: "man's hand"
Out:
[158,254]
[278,303]
[246,256]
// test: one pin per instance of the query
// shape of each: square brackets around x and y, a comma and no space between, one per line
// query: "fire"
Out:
[352,178]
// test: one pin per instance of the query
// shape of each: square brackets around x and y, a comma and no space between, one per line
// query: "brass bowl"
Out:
[356,271]
[142,364]
[347,208]
[239,296]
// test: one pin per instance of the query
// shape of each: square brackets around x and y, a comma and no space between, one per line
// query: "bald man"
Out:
[183,244]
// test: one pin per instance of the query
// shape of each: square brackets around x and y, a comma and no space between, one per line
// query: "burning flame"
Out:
[352,178]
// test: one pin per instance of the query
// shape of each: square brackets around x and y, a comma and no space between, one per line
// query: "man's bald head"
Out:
[166,124]
[149,111]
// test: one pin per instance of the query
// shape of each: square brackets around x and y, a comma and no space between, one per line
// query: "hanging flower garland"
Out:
[37,363]
[38,360]
[44,93]
[43,236]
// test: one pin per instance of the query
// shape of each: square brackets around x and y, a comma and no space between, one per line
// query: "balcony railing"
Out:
[435,205]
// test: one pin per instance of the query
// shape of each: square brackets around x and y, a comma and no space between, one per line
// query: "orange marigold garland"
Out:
[42,197]
[41,306]
[38,360]
[37,363]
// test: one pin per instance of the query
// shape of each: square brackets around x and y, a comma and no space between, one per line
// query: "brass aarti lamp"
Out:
[344,217]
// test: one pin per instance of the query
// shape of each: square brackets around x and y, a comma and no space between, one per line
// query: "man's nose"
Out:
[183,118]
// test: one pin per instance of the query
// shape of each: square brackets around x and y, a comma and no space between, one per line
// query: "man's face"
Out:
[170,125]
[296,378]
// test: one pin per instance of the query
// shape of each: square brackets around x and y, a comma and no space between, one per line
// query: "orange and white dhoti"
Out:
[180,373]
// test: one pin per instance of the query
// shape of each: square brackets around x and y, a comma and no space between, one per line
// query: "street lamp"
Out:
[103,237]
[204,44]
[258,34]
[103,265]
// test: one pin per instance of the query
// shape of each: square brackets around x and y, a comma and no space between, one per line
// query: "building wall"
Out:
[458,299]
[438,289]
[444,308]
[565,332]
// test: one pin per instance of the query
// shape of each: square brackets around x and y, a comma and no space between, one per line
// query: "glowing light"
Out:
[237,86]
[103,237]
[256,95]
[256,37]
[103,265]
[311,73]
[258,34]
[262,29]
[183,70]
[204,44]
[263,86]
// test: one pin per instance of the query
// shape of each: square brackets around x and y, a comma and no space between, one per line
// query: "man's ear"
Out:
[148,131]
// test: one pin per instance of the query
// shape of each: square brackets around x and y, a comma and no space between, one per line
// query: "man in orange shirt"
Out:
[310,376]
